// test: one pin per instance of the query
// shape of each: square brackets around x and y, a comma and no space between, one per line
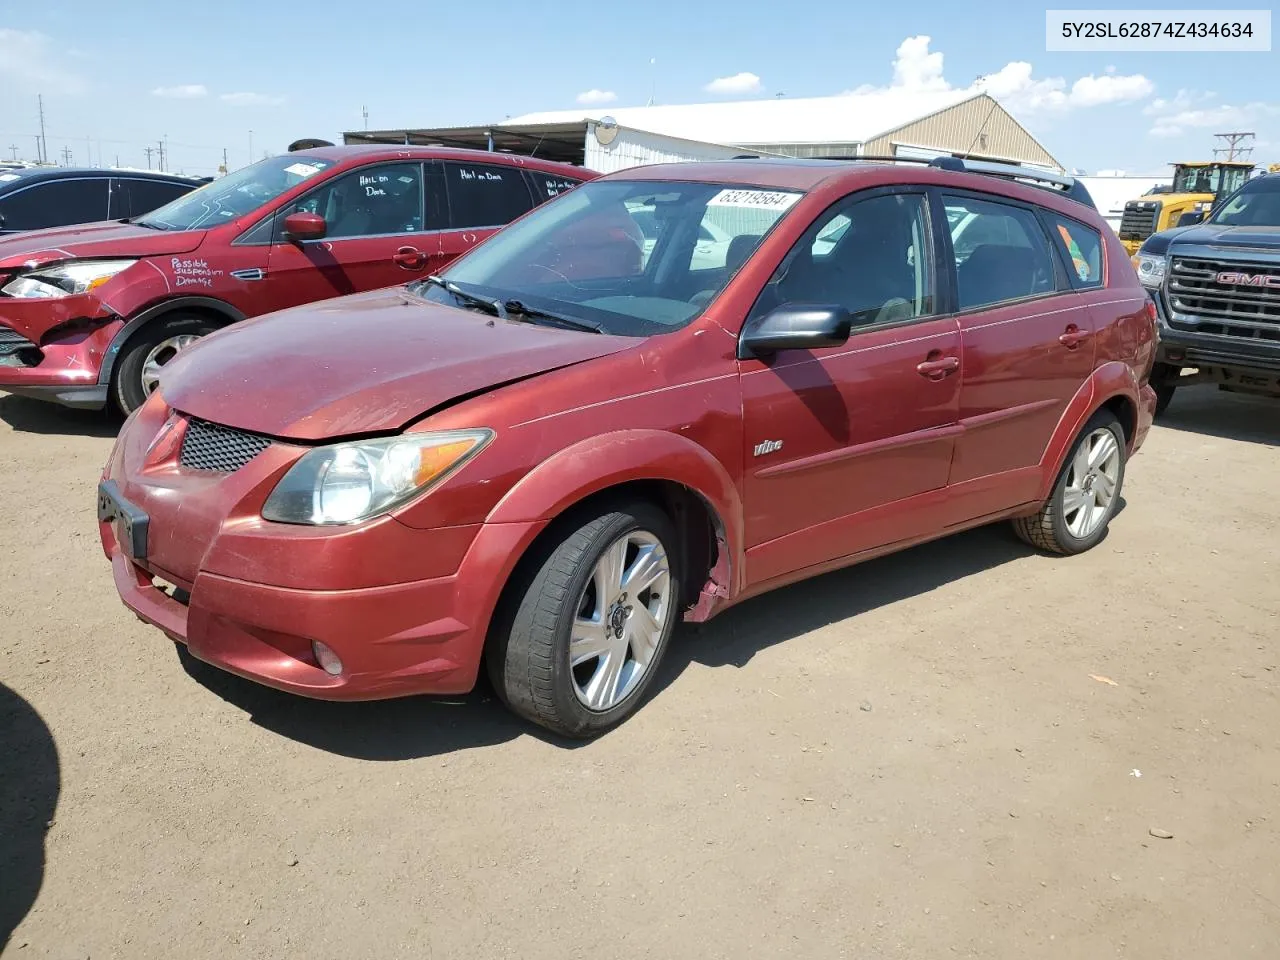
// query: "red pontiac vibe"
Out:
[89,314]
[580,433]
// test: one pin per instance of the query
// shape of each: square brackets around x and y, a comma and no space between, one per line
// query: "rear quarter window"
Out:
[1081,246]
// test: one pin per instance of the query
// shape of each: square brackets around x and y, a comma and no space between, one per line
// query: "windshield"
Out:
[1214,179]
[1256,205]
[234,195]
[633,257]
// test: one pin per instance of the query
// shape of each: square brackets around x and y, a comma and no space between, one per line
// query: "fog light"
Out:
[326,658]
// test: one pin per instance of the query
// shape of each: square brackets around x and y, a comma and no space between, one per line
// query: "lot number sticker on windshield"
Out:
[755,199]
[301,169]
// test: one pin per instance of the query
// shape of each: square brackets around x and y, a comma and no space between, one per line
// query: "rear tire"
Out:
[148,350]
[592,619]
[1086,494]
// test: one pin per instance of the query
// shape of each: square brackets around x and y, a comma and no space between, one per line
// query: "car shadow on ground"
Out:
[417,727]
[1207,410]
[25,415]
[29,785]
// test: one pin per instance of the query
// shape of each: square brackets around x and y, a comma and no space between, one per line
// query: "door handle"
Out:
[938,368]
[1074,336]
[411,258]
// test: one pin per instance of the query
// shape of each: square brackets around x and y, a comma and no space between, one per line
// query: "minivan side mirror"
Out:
[1191,218]
[305,226]
[796,326]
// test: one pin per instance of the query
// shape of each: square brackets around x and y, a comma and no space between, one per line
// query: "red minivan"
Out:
[581,433]
[90,314]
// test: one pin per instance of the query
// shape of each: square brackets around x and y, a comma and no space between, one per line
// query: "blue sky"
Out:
[118,77]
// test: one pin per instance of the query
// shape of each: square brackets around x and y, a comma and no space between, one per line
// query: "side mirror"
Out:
[796,326]
[305,226]
[1191,218]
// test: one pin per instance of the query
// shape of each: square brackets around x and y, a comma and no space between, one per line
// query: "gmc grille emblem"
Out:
[1249,280]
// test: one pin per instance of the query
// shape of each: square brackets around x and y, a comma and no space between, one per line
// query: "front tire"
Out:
[591,623]
[138,371]
[1087,494]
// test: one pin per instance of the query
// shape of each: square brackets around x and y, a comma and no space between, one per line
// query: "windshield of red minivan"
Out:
[634,257]
[234,195]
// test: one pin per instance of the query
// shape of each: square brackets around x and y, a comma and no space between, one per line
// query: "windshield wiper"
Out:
[573,323]
[496,307]
[146,223]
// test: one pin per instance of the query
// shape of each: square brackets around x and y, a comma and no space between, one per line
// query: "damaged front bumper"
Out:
[56,351]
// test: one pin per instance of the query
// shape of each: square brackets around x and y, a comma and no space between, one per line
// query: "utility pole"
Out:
[148,151]
[66,156]
[1234,149]
[44,144]
[13,148]
[223,168]
[161,149]
[365,111]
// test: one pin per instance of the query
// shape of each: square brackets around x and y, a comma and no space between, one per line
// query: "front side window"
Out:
[57,204]
[1001,252]
[485,195]
[236,194]
[627,256]
[367,202]
[1256,205]
[869,255]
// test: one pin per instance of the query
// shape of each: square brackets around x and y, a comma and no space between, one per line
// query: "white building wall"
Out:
[634,148]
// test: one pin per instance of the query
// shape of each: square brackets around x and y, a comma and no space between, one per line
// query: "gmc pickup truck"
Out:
[1216,286]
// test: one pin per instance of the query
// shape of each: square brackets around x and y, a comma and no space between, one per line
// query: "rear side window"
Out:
[547,185]
[148,195]
[56,204]
[485,195]
[1082,247]
[1001,252]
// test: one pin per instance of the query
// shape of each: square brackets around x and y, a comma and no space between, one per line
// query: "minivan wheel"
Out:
[138,371]
[591,623]
[1087,494]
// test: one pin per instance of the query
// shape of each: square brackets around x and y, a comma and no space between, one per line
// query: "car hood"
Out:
[367,363]
[110,239]
[1209,235]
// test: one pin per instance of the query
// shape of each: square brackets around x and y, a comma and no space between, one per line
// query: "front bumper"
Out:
[406,610]
[1188,348]
[66,370]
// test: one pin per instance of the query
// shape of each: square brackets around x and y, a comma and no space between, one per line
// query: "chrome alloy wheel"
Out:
[159,355]
[1091,483]
[620,620]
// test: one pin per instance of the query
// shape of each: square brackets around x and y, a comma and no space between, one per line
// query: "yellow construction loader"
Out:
[1197,186]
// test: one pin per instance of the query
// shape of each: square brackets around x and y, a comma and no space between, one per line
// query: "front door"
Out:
[381,230]
[849,448]
[1028,347]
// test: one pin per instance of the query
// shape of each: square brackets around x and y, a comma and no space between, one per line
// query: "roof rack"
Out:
[1073,188]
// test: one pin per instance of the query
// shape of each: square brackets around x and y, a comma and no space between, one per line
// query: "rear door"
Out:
[1027,347]
[145,195]
[381,230]
[483,198]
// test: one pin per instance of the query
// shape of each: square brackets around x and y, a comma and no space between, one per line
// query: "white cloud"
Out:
[1191,110]
[185,91]
[918,69]
[31,61]
[251,99]
[594,96]
[738,84]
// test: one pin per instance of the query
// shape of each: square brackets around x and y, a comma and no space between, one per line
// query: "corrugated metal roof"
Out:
[847,118]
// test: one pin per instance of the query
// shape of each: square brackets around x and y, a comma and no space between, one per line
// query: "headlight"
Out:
[1150,270]
[349,482]
[65,280]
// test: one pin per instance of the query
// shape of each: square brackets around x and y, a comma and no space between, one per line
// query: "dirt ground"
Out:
[963,750]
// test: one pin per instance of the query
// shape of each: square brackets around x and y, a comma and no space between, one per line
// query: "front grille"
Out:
[11,341]
[218,449]
[1245,308]
[1139,219]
